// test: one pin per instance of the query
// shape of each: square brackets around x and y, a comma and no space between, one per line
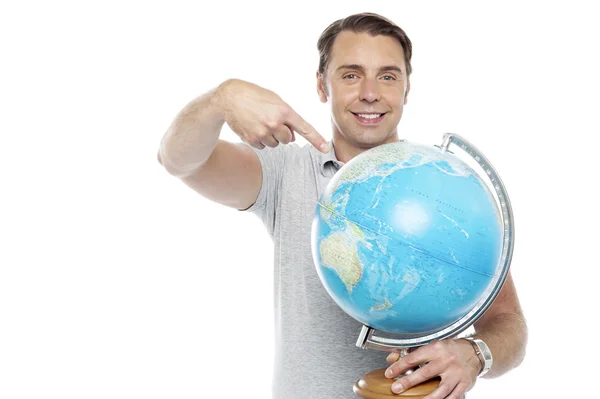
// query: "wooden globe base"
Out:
[375,385]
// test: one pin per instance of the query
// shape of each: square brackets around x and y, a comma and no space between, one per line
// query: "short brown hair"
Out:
[370,23]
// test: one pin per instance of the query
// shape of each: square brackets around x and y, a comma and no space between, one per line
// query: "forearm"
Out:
[506,336]
[192,136]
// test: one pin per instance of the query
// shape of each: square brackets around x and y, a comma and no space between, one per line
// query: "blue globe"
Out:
[407,239]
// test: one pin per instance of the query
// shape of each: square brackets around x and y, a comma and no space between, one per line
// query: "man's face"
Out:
[366,86]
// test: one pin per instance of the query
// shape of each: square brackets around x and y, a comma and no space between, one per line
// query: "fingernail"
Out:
[389,373]
[396,387]
[325,147]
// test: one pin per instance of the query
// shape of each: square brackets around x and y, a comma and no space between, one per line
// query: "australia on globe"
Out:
[407,238]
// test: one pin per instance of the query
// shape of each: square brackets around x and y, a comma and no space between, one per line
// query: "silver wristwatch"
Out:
[483,353]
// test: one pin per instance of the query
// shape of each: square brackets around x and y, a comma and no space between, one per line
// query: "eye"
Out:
[389,77]
[350,76]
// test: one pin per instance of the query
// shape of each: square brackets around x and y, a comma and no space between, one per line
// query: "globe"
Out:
[407,239]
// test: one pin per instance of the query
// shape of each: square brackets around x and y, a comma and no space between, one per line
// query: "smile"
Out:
[369,119]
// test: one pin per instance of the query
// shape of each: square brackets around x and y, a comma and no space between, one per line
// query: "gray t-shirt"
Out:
[316,356]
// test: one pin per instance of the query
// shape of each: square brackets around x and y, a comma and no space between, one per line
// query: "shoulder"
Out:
[288,155]
[284,168]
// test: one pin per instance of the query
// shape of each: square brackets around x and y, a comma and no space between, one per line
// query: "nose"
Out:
[369,90]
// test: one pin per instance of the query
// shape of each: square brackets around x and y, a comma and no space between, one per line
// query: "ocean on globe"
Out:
[407,238]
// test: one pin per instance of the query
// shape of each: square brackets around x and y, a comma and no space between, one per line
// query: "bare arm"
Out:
[504,330]
[224,172]
[192,136]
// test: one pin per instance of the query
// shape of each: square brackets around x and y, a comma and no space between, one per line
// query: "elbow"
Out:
[523,347]
[162,160]
[173,168]
[519,347]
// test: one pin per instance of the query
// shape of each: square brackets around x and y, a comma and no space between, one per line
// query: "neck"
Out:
[345,150]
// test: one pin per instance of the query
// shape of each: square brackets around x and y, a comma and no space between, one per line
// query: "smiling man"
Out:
[365,80]
[363,75]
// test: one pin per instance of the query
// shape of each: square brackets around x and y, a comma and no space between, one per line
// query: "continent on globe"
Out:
[339,251]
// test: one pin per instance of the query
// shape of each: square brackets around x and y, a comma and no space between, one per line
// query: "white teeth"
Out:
[369,116]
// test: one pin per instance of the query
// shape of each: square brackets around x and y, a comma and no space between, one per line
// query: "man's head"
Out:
[364,70]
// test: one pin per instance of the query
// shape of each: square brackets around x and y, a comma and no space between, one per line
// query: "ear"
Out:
[406,92]
[321,91]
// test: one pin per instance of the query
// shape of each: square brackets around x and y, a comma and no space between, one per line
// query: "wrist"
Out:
[482,354]
[221,95]
[472,359]
[217,102]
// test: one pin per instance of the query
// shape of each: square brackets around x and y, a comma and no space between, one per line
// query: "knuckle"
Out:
[437,345]
[408,381]
[410,361]
[305,128]
[262,134]
[453,358]
[426,373]
[284,109]
[271,124]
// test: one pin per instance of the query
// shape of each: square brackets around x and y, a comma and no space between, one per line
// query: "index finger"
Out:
[410,361]
[298,124]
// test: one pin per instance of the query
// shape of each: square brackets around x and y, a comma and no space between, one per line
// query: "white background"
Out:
[118,281]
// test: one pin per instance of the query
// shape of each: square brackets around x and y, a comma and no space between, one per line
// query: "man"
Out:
[363,75]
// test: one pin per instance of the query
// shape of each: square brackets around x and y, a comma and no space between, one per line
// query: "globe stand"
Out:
[375,385]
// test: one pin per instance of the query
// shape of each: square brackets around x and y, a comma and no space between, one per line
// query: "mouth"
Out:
[369,118]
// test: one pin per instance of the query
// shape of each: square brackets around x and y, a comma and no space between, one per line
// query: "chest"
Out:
[299,196]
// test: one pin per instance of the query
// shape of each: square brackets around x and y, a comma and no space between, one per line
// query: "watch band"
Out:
[483,353]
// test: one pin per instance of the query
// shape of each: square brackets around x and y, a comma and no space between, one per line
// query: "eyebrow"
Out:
[362,69]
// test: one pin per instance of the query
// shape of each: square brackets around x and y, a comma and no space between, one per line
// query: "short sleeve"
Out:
[273,162]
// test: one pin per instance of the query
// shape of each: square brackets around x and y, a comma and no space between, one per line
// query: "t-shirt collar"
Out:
[329,157]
